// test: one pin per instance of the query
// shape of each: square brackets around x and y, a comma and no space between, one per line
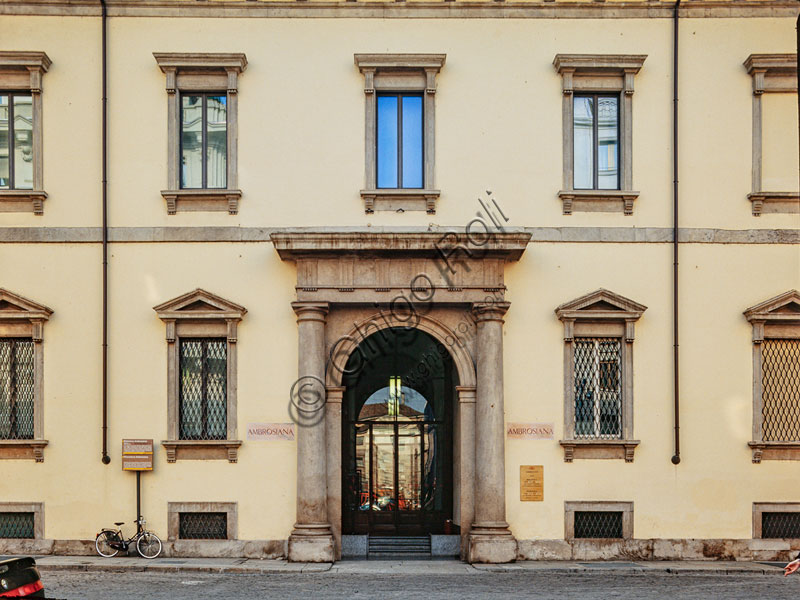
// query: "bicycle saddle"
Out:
[118,524]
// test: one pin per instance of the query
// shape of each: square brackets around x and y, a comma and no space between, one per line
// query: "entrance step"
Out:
[399,547]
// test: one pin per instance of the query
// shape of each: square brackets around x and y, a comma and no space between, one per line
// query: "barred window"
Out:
[203,526]
[16,388]
[203,388]
[598,524]
[16,525]
[597,389]
[780,385]
[780,525]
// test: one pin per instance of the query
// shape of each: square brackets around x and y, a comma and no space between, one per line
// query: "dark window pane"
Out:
[598,524]
[23,143]
[217,140]
[780,390]
[16,525]
[583,143]
[608,144]
[203,526]
[387,142]
[780,525]
[412,141]
[5,162]
[203,389]
[192,142]
[598,395]
[16,388]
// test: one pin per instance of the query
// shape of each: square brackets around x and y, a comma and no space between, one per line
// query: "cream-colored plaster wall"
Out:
[709,494]
[301,115]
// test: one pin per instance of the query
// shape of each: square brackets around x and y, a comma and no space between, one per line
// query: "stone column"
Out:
[311,540]
[333,420]
[466,462]
[490,540]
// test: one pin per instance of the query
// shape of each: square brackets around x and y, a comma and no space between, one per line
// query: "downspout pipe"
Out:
[106,458]
[676,458]
[797,28]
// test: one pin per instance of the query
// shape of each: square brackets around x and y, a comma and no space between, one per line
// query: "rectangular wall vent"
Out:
[780,525]
[17,525]
[598,524]
[203,526]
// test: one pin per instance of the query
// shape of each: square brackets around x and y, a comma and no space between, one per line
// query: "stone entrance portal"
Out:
[351,286]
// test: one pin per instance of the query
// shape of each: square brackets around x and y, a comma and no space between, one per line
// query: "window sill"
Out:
[599,449]
[23,449]
[774,202]
[23,201]
[597,201]
[202,200]
[202,450]
[400,200]
[775,451]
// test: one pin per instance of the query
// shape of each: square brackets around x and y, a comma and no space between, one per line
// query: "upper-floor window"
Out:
[776,377]
[400,141]
[202,130]
[16,141]
[596,141]
[204,141]
[21,170]
[399,94]
[597,132]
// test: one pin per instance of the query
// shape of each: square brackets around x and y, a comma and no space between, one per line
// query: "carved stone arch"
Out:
[341,349]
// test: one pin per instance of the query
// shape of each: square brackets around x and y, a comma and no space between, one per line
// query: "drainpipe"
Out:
[797,27]
[676,458]
[106,458]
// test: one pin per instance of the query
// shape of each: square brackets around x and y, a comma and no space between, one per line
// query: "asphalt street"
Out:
[71,585]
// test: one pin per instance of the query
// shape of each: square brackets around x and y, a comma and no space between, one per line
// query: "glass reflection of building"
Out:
[596,142]
[204,141]
[16,141]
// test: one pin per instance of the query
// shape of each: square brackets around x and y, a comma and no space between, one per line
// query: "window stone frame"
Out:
[571,507]
[201,72]
[400,73]
[174,509]
[778,318]
[599,314]
[200,314]
[37,508]
[20,317]
[771,73]
[23,71]
[759,508]
[602,74]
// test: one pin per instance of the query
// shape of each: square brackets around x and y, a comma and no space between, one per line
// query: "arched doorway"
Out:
[397,435]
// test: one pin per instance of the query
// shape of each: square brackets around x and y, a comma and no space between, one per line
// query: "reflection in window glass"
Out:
[192,142]
[387,141]
[583,119]
[607,140]
[23,142]
[5,163]
[412,141]
[217,141]
[383,468]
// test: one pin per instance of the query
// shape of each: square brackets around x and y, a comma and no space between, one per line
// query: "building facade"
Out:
[374,271]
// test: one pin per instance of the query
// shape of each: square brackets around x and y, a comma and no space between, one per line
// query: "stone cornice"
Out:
[291,246]
[593,63]
[399,61]
[24,60]
[201,60]
[371,9]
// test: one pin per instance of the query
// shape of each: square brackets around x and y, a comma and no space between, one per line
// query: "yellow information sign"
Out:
[531,483]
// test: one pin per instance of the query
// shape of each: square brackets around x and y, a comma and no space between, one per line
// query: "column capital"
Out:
[466,394]
[310,311]
[333,394]
[489,311]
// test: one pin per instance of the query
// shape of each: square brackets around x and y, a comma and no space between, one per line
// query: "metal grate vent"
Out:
[16,389]
[780,384]
[16,525]
[203,397]
[598,524]
[598,396]
[203,526]
[780,525]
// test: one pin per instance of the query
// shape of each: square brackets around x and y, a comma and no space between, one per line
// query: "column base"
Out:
[311,544]
[491,543]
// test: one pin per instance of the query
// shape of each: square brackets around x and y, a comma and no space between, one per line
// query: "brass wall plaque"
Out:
[531,483]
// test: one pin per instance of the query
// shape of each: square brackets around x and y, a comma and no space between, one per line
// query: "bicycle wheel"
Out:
[102,543]
[148,545]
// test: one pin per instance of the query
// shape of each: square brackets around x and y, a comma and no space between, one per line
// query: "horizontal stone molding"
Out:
[614,235]
[441,9]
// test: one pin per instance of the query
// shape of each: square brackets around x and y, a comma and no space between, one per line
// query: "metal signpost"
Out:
[137,455]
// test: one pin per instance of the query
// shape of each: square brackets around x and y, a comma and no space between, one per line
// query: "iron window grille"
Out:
[203,388]
[16,141]
[16,388]
[597,388]
[209,112]
[598,115]
[203,526]
[780,525]
[780,385]
[16,525]
[598,524]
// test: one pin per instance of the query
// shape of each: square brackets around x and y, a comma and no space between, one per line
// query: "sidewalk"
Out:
[399,567]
